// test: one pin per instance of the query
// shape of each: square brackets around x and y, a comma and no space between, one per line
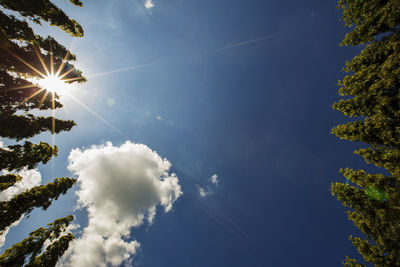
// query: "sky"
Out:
[203,135]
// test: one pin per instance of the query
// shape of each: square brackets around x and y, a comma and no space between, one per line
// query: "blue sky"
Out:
[234,88]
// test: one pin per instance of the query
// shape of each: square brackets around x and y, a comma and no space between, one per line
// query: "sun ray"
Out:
[26,63]
[90,92]
[224,221]
[65,74]
[53,136]
[20,87]
[31,96]
[51,59]
[214,217]
[41,60]
[99,117]
[43,98]
[62,63]
[53,119]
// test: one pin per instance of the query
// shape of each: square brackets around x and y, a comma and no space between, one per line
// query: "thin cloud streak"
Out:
[239,44]
[123,69]
[160,61]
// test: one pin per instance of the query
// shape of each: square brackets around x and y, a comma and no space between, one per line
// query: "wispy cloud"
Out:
[206,191]
[149,4]
[121,188]
[203,192]
[214,179]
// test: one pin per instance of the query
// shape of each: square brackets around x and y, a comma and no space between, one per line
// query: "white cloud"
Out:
[6,230]
[31,178]
[121,188]
[149,4]
[203,192]
[214,179]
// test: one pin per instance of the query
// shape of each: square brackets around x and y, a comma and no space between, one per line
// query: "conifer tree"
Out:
[39,196]
[33,245]
[26,58]
[372,90]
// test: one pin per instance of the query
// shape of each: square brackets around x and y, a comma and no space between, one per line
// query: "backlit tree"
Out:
[372,97]
[26,59]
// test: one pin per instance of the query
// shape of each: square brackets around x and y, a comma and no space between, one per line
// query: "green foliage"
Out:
[28,155]
[373,83]
[36,197]
[45,10]
[33,245]
[8,180]
[370,18]
[25,126]
[352,263]
[25,56]
[375,193]
[382,157]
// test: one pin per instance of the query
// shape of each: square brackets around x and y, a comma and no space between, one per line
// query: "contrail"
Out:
[160,61]
[240,44]
[123,69]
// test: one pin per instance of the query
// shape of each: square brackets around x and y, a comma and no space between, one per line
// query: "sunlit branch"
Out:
[73,79]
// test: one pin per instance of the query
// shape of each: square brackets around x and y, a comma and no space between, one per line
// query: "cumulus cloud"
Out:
[149,4]
[31,178]
[121,188]
[214,179]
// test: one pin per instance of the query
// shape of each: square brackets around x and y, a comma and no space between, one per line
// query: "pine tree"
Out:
[372,90]
[33,245]
[39,196]
[26,58]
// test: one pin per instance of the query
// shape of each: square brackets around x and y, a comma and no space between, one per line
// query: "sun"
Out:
[53,84]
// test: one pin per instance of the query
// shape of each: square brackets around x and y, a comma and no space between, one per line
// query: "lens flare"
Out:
[53,84]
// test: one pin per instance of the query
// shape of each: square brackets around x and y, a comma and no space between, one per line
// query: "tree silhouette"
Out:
[33,245]
[371,87]
[25,58]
